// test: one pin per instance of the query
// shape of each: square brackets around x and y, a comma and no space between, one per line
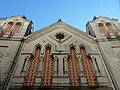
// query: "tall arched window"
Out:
[110,28]
[8,27]
[33,66]
[103,30]
[73,68]
[16,28]
[47,74]
[88,68]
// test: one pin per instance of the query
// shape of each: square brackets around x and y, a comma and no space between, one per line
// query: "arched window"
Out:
[73,68]
[32,68]
[16,28]
[103,30]
[8,27]
[47,68]
[88,68]
[111,29]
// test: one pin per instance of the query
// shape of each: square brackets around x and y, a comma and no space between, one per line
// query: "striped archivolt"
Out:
[88,68]
[32,68]
[48,68]
[73,68]
[102,28]
[16,28]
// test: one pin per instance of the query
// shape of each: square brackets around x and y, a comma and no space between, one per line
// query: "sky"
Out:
[73,12]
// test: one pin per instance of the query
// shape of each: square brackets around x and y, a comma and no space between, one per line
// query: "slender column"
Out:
[16,28]
[110,28]
[102,28]
[73,68]
[48,68]
[88,68]
[32,68]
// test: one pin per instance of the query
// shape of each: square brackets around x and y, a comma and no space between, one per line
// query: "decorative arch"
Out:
[8,27]
[72,45]
[103,29]
[73,67]
[111,28]
[47,74]
[16,28]
[48,45]
[33,66]
[37,45]
[88,68]
[87,47]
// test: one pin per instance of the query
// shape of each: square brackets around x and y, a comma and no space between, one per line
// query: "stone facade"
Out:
[11,39]
[60,56]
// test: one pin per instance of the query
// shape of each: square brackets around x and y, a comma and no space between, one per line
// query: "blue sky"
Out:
[73,12]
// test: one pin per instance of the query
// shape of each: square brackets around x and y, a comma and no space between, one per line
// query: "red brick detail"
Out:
[110,28]
[73,68]
[33,66]
[102,28]
[88,68]
[48,68]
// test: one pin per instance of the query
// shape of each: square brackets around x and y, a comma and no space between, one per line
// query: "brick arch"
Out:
[88,68]
[74,76]
[33,66]
[47,74]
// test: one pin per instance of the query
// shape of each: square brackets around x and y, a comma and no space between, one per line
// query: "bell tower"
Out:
[107,34]
[12,32]
[15,26]
[103,28]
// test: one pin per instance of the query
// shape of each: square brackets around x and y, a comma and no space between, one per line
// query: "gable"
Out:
[103,20]
[60,27]
[16,19]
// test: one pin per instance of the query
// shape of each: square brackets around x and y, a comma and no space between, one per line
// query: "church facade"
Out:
[59,56]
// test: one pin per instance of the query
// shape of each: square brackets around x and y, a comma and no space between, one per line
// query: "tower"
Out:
[12,32]
[107,33]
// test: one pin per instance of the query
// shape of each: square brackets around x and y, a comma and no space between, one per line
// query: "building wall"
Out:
[60,50]
[9,45]
[110,47]
[17,51]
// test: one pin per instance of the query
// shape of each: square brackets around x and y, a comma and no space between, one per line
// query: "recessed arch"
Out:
[48,45]
[74,76]
[111,28]
[72,45]
[38,46]
[33,66]
[8,27]
[103,29]
[88,68]
[47,74]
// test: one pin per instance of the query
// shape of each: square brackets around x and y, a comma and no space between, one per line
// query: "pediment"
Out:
[16,18]
[60,27]
[103,20]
